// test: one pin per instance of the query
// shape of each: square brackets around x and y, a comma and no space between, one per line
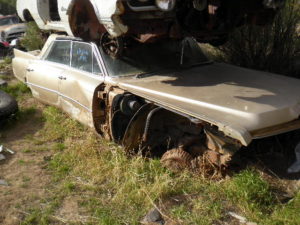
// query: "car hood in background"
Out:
[235,99]
[13,27]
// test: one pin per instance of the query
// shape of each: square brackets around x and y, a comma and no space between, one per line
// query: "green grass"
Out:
[114,188]
[17,90]
[120,190]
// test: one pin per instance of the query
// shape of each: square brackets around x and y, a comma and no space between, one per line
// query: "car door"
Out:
[79,82]
[43,75]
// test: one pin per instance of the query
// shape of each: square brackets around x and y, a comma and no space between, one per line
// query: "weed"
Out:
[69,187]
[59,147]
[252,193]
[17,90]
[34,38]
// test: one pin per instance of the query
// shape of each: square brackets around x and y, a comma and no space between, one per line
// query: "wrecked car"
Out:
[11,28]
[4,48]
[148,20]
[164,99]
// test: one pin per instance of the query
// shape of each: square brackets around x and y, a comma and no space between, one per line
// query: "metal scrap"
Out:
[4,149]
[241,219]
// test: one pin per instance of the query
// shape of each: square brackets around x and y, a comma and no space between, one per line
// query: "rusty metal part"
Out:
[197,150]
[176,160]
[99,109]
[218,142]
[148,122]
[112,46]
[220,147]
[216,158]
[187,141]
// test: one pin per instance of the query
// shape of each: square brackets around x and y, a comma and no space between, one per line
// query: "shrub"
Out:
[272,48]
[34,38]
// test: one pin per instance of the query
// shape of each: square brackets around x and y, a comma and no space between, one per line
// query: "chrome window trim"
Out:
[100,60]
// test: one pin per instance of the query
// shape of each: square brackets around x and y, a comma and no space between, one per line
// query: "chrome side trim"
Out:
[60,94]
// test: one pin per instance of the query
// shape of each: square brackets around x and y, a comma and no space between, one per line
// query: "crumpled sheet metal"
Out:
[295,167]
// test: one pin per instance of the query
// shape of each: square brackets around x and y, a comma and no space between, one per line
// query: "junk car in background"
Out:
[164,99]
[11,29]
[147,20]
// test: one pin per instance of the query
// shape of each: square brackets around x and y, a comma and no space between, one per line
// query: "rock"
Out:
[3,183]
[153,217]
[2,157]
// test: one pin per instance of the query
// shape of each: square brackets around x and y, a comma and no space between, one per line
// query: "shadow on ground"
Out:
[273,155]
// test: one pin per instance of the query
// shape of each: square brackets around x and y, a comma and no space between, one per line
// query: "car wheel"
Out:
[8,105]
[176,160]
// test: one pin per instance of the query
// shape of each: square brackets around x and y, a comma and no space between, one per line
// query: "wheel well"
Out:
[27,15]
[99,108]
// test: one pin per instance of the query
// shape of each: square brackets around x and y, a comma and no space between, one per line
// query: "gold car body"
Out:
[244,104]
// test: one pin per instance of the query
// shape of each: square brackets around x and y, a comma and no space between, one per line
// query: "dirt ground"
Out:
[24,172]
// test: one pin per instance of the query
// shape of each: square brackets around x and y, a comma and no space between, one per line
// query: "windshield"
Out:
[8,21]
[154,57]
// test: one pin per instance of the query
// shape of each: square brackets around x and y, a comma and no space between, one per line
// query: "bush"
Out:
[34,38]
[272,48]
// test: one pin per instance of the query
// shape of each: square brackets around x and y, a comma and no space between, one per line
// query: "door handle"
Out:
[29,70]
[62,78]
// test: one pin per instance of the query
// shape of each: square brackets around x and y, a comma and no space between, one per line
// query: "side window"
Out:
[60,52]
[82,56]
[96,67]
